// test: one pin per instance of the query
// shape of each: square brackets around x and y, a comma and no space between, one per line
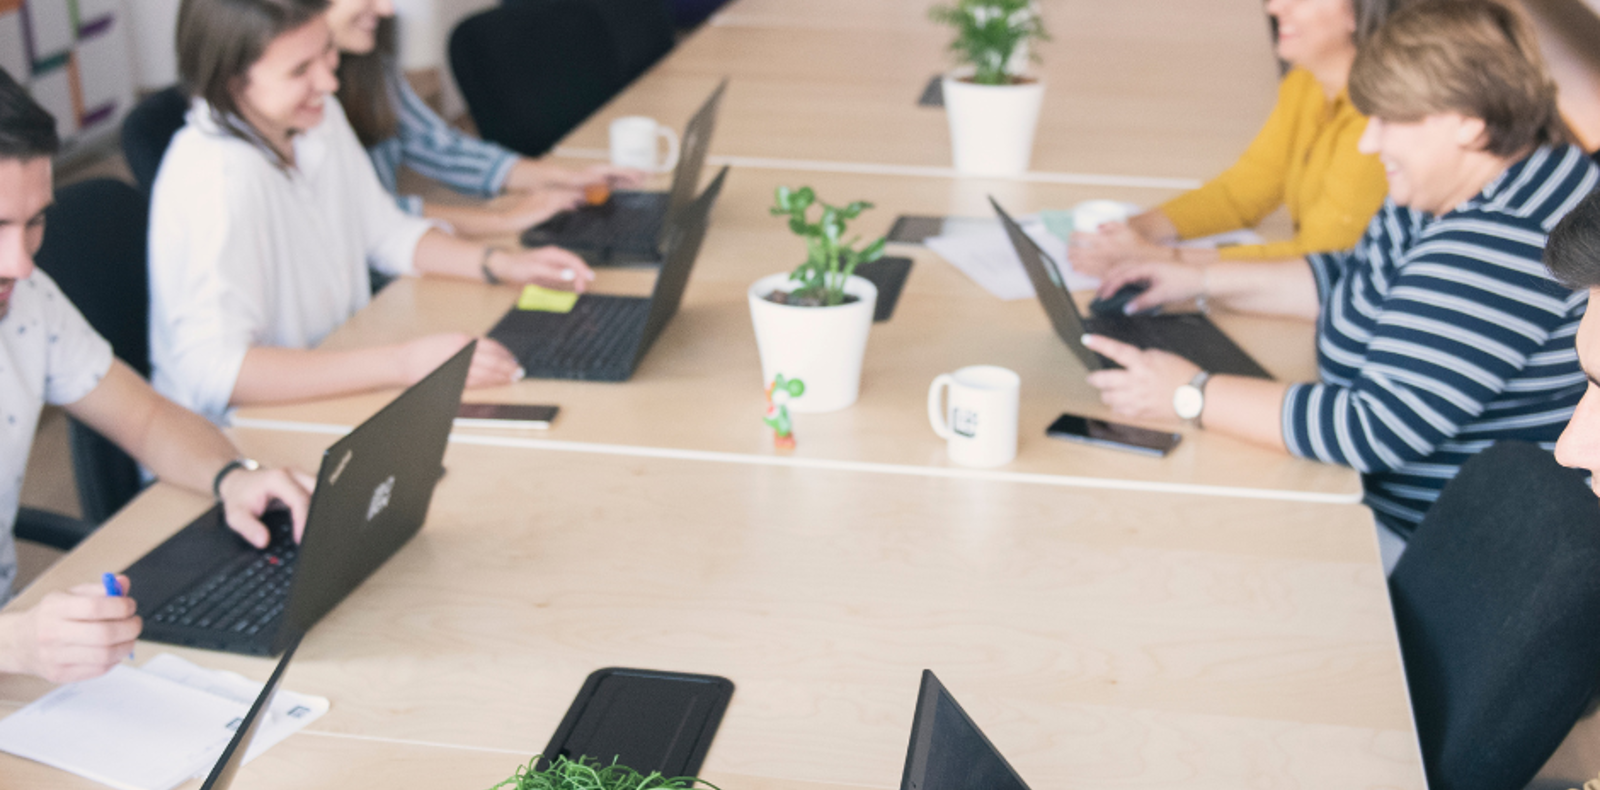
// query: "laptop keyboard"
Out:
[627,219]
[599,336]
[244,597]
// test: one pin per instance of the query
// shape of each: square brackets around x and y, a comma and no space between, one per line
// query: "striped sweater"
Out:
[1440,335]
[434,149]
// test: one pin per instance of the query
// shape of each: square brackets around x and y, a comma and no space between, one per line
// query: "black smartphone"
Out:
[644,719]
[505,415]
[1113,434]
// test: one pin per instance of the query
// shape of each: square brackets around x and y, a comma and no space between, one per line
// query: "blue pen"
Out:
[113,590]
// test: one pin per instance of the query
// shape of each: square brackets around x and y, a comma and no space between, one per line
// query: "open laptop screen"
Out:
[948,751]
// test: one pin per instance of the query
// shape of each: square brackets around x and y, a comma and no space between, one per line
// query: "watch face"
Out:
[1187,401]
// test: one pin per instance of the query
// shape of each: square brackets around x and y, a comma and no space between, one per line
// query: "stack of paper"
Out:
[983,252]
[151,728]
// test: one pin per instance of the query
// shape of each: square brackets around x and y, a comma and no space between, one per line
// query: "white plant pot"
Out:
[992,126]
[821,346]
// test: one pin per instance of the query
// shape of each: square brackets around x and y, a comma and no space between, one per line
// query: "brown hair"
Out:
[364,88]
[218,42]
[1477,58]
[1370,15]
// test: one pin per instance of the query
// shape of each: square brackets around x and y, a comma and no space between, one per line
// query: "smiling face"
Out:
[355,23]
[1424,160]
[1579,445]
[24,194]
[285,90]
[1312,33]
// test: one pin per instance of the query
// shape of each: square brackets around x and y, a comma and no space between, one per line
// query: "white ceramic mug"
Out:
[634,144]
[1088,216]
[981,421]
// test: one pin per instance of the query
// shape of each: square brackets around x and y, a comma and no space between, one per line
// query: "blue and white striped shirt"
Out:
[434,149]
[1440,335]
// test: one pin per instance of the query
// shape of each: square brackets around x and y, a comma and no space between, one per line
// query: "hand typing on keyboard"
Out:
[246,495]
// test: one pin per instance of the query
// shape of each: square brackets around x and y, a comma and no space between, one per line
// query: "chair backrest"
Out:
[531,72]
[641,31]
[1497,599]
[148,130]
[94,248]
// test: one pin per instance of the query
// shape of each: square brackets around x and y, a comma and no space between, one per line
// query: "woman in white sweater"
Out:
[266,214]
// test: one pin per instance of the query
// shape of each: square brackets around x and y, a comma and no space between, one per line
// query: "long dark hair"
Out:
[364,88]
[218,42]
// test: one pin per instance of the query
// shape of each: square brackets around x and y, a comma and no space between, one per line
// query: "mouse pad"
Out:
[889,276]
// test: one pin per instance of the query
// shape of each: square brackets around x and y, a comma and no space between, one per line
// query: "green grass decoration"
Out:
[988,32]
[587,773]
[830,259]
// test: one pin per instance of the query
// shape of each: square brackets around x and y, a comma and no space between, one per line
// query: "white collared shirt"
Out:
[48,354]
[244,253]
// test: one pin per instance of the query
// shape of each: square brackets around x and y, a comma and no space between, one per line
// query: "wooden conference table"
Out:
[1101,638]
[1214,620]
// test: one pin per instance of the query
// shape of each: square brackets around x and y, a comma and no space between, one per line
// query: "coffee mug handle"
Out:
[936,416]
[672,147]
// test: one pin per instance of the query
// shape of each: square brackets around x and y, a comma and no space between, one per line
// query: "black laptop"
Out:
[1189,335]
[630,229]
[206,587]
[948,751]
[604,337]
[233,756]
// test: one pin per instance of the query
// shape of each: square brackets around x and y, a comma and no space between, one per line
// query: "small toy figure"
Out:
[779,394]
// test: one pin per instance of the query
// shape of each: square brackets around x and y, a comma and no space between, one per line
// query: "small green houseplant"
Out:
[586,773]
[989,33]
[830,260]
[994,111]
[812,323]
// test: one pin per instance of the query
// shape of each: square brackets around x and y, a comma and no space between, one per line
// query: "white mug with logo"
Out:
[980,422]
[634,143]
[1088,216]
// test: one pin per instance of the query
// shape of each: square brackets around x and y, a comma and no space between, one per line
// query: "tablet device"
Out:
[644,719]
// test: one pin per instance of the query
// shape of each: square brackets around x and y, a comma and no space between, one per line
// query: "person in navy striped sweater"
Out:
[1441,331]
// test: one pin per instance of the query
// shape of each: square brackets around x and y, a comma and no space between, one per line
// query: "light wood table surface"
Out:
[1144,89]
[699,389]
[1101,639]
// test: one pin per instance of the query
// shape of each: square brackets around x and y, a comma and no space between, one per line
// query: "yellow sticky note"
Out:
[546,300]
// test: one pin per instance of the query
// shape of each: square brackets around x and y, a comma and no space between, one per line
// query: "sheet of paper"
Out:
[984,253]
[127,729]
[290,711]
[546,300]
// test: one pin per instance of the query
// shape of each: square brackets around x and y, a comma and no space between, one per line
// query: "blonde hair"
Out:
[1477,58]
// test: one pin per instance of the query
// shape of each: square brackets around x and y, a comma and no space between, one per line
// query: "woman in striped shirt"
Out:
[398,128]
[1440,331]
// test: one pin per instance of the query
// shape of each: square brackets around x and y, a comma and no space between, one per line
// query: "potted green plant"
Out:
[992,106]
[812,323]
[589,774]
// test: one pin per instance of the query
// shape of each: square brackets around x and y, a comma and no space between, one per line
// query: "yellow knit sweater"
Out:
[1305,157]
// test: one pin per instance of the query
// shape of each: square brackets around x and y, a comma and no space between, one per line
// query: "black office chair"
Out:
[148,129]
[531,72]
[1497,599]
[94,248]
[641,32]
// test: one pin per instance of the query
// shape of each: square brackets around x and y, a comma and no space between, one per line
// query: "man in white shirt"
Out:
[49,354]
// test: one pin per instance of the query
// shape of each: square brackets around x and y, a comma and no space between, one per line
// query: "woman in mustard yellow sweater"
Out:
[1304,158]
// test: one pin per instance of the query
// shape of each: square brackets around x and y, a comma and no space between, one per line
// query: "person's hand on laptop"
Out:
[69,636]
[519,211]
[551,267]
[1169,283]
[530,175]
[247,493]
[492,364]
[1145,385]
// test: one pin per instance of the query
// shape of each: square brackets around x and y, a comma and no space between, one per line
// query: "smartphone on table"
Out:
[1113,434]
[505,415]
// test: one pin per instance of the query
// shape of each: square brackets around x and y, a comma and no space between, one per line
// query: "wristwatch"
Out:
[247,464]
[1189,400]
